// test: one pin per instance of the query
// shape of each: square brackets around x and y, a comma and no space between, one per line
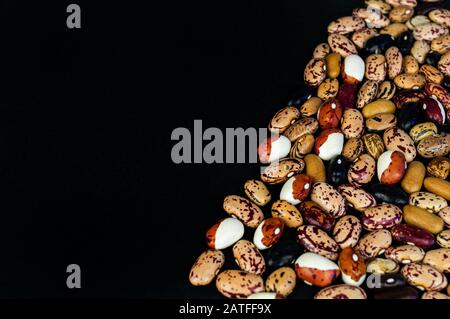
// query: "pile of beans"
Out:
[361,162]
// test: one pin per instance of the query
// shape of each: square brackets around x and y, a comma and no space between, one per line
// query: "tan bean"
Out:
[423,219]
[328,89]
[431,74]
[353,149]
[414,176]
[288,213]
[378,106]
[410,81]
[437,186]
[238,284]
[333,65]
[410,65]
[315,168]
[206,267]
[441,44]
[310,107]
[281,281]
[394,29]
[257,192]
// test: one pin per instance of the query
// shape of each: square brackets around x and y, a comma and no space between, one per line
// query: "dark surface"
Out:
[86,117]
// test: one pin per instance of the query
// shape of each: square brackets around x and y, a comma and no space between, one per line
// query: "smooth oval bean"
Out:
[423,219]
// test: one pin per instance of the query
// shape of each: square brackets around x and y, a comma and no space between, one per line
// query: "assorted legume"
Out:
[360,164]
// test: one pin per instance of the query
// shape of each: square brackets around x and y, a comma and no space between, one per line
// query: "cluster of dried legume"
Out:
[361,158]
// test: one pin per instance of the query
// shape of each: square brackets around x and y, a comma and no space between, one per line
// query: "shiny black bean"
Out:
[426,7]
[433,58]
[398,293]
[405,42]
[410,115]
[337,171]
[385,281]
[446,83]
[389,194]
[282,254]
[379,44]
[300,96]
[445,128]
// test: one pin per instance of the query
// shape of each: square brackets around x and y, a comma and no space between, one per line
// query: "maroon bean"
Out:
[412,235]
[315,216]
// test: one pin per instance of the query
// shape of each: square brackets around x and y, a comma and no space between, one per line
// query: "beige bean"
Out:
[363,35]
[238,284]
[342,45]
[243,209]
[444,64]
[376,67]
[439,167]
[440,16]
[341,291]
[281,281]
[206,267]
[346,25]
[367,93]
[401,13]
[257,192]
[248,257]
[306,125]
[439,259]
[410,81]
[321,51]
[429,32]
[283,119]
[394,60]
[394,29]
[420,50]
[373,144]
[315,72]
[424,277]
[434,145]
[386,90]
[279,171]
[302,146]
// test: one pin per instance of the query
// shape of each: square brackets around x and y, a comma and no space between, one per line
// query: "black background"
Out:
[86,118]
